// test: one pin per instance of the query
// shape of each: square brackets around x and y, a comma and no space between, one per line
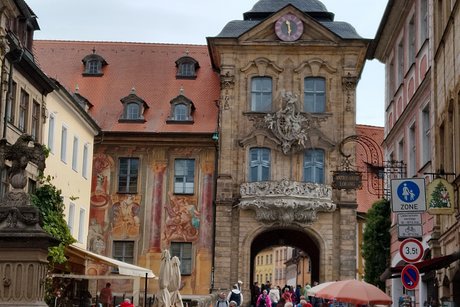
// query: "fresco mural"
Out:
[124,216]
[182,219]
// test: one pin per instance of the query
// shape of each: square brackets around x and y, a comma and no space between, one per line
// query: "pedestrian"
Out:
[105,296]
[274,295]
[232,304]
[255,292]
[126,303]
[235,295]
[264,300]
[222,300]
[287,295]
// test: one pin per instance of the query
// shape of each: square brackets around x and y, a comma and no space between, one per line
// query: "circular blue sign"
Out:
[408,191]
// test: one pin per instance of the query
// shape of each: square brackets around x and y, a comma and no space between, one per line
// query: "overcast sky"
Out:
[190,22]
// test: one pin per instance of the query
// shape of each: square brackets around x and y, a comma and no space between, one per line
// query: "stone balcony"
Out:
[286,201]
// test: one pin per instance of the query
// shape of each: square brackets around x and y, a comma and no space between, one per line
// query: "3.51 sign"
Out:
[411,250]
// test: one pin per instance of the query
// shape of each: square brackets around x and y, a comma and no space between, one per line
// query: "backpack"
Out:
[235,297]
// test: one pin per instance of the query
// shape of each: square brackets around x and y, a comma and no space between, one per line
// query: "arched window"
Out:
[314,95]
[313,166]
[133,108]
[93,64]
[259,164]
[186,68]
[132,111]
[261,94]
[180,112]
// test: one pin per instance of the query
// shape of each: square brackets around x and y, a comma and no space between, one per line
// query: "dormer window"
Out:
[93,64]
[181,110]
[133,108]
[186,67]
[82,101]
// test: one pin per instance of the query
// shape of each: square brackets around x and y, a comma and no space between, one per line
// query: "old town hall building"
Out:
[219,151]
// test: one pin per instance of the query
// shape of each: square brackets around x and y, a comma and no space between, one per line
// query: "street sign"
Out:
[409,218]
[410,231]
[411,250]
[410,277]
[408,195]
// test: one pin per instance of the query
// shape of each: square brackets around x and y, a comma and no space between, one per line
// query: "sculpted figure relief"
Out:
[182,219]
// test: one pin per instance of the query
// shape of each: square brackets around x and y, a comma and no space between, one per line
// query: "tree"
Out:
[49,201]
[376,243]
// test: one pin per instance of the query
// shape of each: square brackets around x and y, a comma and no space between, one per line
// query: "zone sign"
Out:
[411,250]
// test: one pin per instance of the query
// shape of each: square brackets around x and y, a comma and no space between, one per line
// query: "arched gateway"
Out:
[288,77]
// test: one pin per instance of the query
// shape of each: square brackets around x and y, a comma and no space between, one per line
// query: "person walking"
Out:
[274,295]
[105,296]
[221,300]
[264,300]
[235,295]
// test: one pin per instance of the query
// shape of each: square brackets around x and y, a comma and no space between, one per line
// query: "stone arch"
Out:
[304,238]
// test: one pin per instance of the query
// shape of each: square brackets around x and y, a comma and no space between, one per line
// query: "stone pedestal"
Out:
[23,257]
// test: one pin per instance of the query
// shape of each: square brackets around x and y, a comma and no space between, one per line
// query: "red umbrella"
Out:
[355,292]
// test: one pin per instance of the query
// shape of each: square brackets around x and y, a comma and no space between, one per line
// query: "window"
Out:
[31,186]
[64,144]
[4,183]
[259,164]
[313,166]
[127,175]
[35,120]
[93,64]
[123,251]
[11,105]
[186,68]
[183,251]
[261,94]
[412,151]
[180,112]
[411,41]
[75,153]
[71,217]
[133,108]
[84,167]
[51,124]
[81,225]
[23,111]
[400,62]
[184,176]
[314,95]
[423,20]
[401,150]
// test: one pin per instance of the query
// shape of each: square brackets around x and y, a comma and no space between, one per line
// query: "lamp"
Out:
[215,136]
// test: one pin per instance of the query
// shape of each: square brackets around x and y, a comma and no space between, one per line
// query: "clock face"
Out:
[289,28]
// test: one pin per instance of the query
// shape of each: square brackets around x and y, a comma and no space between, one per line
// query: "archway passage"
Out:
[287,237]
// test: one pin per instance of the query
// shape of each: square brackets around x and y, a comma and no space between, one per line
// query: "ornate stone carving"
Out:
[349,85]
[227,83]
[289,125]
[286,201]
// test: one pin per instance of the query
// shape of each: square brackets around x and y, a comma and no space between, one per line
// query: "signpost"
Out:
[411,250]
[410,277]
[408,195]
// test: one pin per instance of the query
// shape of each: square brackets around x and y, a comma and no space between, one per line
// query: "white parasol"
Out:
[174,283]
[163,298]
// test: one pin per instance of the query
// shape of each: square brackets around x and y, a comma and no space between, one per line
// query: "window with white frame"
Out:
[423,20]
[426,128]
[51,124]
[412,151]
[261,94]
[23,111]
[183,251]
[71,217]
[259,164]
[184,176]
[313,165]
[11,103]
[84,166]
[81,225]
[64,144]
[75,153]
[401,150]
[314,95]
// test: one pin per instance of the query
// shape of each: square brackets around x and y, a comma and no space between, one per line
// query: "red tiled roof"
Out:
[148,68]
[365,199]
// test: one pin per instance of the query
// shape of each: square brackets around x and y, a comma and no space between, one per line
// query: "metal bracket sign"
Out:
[408,195]
[410,277]
[411,250]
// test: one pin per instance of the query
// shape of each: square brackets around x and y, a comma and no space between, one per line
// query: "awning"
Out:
[424,266]
[124,268]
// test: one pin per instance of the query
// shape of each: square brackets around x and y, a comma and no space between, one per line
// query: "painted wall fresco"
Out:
[182,219]
[124,216]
